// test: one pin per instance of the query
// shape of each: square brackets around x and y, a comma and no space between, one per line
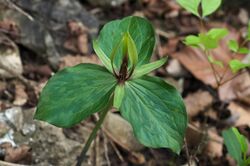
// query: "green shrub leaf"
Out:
[192,40]
[233,45]
[243,50]
[191,6]
[139,29]
[211,39]
[216,62]
[147,68]
[209,6]
[75,93]
[156,112]
[236,144]
[237,65]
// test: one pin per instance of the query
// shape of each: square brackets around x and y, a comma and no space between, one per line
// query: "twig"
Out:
[17,8]
[117,151]
[187,152]
[105,139]
[165,34]
[230,79]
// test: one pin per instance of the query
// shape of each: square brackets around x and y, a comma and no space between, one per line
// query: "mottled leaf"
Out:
[75,93]
[156,112]
[140,30]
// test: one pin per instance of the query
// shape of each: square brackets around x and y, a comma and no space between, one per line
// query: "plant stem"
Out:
[92,136]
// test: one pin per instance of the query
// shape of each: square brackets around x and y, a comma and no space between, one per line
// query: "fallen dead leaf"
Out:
[21,96]
[195,61]
[215,144]
[19,154]
[121,132]
[136,158]
[198,101]
[240,114]
[78,39]
[69,60]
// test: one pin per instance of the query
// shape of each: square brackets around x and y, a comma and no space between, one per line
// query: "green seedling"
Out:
[207,41]
[153,107]
[237,146]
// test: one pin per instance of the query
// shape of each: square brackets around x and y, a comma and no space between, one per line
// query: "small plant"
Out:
[153,107]
[237,146]
[209,40]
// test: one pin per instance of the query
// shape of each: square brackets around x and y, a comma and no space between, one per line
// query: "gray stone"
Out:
[107,3]
[48,31]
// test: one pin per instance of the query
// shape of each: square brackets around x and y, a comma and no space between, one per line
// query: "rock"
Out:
[49,30]
[50,145]
[107,3]
[9,58]
[14,117]
[121,132]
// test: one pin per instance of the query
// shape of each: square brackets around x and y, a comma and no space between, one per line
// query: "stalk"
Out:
[92,136]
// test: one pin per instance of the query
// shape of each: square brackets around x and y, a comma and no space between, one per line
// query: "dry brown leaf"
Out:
[121,132]
[137,158]
[193,134]
[240,114]
[70,60]
[237,88]
[18,154]
[78,39]
[196,102]
[21,96]
[195,61]
[215,144]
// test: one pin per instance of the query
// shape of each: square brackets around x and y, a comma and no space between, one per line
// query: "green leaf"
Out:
[243,50]
[211,39]
[208,42]
[104,59]
[216,62]
[156,112]
[237,65]
[118,96]
[209,6]
[192,40]
[190,5]
[217,33]
[232,144]
[242,140]
[140,30]
[233,45]
[75,93]
[145,69]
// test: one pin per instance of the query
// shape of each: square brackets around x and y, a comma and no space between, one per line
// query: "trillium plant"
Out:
[153,107]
